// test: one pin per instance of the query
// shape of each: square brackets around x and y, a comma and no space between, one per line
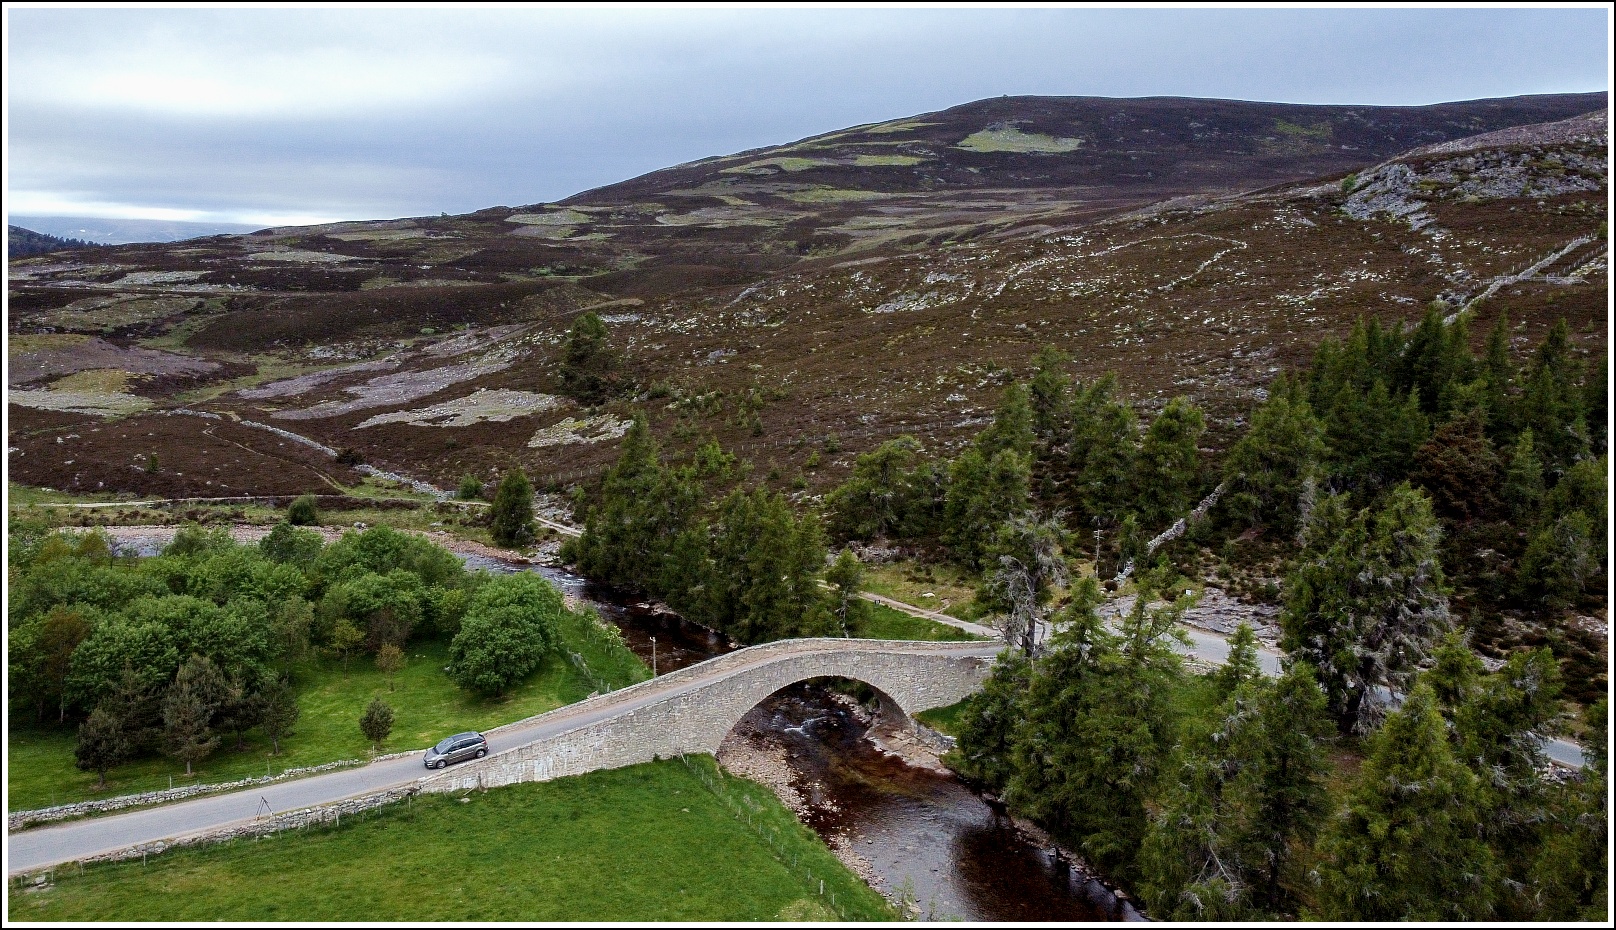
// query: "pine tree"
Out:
[376,722]
[982,494]
[1025,565]
[1551,402]
[845,576]
[280,712]
[1050,394]
[1570,874]
[875,500]
[1523,479]
[102,743]
[1241,665]
[1366,600]
[510,519]
[985,750]
[1169,464]
[1459,469]
[1012,427]
[1104,451]
[1497,373]
[1267,468]
[1283,793]
[1408,845]
[187,710]
[589,368]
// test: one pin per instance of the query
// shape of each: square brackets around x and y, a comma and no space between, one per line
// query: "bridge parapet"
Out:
[691,710]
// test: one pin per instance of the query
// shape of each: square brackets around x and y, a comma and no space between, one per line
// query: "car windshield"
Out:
[444,746]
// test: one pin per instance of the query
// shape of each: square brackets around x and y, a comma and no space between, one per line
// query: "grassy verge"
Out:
[950,590]
[649,842]
[427,706]
[888,623]
[946,720]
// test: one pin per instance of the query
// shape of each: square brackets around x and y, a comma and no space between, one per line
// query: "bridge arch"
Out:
[690,711]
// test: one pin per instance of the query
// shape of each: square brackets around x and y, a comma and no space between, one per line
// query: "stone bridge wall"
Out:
[704,702]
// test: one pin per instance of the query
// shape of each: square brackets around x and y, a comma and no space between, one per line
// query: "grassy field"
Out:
[427,707]
[660,841]
[951,591]
[888,623]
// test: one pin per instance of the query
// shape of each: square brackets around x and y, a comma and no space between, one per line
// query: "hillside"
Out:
[21,242]
[769,303]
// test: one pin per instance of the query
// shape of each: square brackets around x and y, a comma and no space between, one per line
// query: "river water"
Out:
[922,834]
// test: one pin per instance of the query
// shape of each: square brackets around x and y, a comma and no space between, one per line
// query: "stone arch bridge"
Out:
[690,711]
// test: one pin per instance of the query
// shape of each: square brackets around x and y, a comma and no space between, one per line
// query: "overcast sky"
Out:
[283,116]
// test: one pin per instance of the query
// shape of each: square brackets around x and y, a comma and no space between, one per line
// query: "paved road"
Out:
[43,846]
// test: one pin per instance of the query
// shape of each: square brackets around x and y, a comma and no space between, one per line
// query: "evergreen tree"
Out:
[102,744]
[376,722]
[589,368]
[1551,402]
[1099,725]
[762,584]
[1497,374]
[1459,470]
[1169,463]
[1283,793]
[1596,403]
[1025,566]
[1012,428]
[985,750]
[304,511]
[845,576]
[187,710]
[280,712]
[1050,395]
[1570,874]
[1523,479]
[1267,468]
[982,494]
[510,519]
[1366,600]
[1408,845]
[1104,450]
[875,500]
[1241,665]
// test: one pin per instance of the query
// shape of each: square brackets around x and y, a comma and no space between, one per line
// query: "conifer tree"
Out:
[845,576]
[1267,467]
[1169,464]
[1103,451]
[511,516]
[1523,479]
[1366,600]
[1241,665]
[187,709]
[280,712]
[589,368]
[102,743]
[1408,845]
[982,494]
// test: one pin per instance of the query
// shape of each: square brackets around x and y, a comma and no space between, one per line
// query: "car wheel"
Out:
[441,764]
[481,753]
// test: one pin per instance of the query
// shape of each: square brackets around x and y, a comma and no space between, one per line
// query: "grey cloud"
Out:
[510,108]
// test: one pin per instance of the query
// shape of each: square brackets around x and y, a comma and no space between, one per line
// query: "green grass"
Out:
[952,591]
[888,623]
[944,719]
[833,195]
[882,161]
[1014,140]
[649,842]
[427,706]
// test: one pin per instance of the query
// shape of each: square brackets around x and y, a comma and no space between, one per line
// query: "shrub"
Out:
[303,512]
[377,722]
[471,488]
[511,623]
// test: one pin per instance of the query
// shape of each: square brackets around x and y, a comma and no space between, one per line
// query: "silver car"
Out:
[457,748]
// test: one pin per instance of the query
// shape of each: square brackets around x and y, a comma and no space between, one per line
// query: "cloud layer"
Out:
[277,116]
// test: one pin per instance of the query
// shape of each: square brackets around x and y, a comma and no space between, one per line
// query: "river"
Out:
[916,833]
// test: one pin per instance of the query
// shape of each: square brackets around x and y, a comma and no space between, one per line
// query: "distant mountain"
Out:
[1159,145]
[21,242]
[104,231]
